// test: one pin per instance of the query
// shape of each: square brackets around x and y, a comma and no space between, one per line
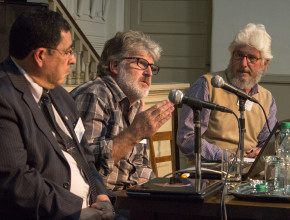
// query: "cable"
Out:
[265,117]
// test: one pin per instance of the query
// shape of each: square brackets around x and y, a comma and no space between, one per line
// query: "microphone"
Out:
[177,97]
[218,82]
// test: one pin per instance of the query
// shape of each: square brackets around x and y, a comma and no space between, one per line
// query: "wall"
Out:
[183,30]
[98,19]
[231,16]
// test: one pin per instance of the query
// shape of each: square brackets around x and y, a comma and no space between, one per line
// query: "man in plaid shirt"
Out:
[112,109]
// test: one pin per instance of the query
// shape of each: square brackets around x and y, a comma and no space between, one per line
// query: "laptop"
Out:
[250,169]
[176,188]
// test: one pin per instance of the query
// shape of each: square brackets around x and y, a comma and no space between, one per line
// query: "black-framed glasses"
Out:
[68,52]
[250,58]
[143,64]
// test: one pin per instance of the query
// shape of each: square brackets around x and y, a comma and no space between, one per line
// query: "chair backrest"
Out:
[166,136]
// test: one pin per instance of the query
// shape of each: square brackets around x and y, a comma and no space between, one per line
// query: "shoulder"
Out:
[92,96]
[96,87]
[203,82]
[264,90]
[264,93]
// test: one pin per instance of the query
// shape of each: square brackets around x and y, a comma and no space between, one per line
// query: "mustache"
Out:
[243,70]
[145,79]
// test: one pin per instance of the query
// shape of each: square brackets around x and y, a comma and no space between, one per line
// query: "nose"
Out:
[245,61]
[73,59]
[148,71]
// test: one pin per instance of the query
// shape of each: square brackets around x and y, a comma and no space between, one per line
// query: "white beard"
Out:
[129,86]
[248,84]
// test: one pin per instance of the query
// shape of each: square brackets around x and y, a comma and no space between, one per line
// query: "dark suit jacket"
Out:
[34,174]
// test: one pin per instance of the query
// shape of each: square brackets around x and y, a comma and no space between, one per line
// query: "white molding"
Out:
[155,89]
[159,92]
[276,78]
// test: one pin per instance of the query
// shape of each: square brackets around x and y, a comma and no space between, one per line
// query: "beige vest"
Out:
[223,127]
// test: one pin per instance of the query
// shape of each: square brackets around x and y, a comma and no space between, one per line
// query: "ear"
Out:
[114,67]
[39,56]
[266,62]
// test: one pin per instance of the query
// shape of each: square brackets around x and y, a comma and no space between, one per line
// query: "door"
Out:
[182,28]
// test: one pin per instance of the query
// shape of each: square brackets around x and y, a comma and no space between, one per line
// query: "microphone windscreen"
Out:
[217,81]
[175,96]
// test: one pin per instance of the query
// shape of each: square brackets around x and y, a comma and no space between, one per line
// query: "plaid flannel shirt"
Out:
[105,111]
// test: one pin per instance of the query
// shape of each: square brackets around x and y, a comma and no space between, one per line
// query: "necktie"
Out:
[69,144]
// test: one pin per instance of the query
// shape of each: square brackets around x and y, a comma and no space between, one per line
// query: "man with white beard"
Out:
[112,109]
[250,57]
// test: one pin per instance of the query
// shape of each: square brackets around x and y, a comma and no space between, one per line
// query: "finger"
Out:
[103,205]
[161,108]
[251,155]
[142,106]
[257,151]
[108,216]
[250,151]
[164,118]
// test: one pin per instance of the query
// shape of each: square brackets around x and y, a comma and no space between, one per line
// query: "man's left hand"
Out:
[253,153]
[103,204]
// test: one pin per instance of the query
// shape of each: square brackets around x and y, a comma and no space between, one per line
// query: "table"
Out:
[151,209]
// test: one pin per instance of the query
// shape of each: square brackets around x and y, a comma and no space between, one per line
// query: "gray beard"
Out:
[128,86]
[248,84]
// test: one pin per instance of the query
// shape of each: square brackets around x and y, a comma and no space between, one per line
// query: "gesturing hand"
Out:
[146,123]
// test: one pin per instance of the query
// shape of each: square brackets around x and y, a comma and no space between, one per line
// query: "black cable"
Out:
[265,117]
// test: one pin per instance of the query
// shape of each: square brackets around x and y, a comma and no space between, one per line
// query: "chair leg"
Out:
[152,158]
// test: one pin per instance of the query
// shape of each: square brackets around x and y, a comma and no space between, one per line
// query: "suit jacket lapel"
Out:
[62,111]
[20,83]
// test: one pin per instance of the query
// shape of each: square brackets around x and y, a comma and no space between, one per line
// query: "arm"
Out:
[141,162]
[105,134]
[185,134]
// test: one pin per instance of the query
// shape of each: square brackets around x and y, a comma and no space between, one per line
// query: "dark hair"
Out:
[32,30]
[124,43]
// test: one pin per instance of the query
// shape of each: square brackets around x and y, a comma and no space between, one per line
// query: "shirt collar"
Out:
[117,91]
[35,89]
[254,90]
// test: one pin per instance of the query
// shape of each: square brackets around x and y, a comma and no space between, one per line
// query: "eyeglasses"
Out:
[250,58]
[143,64]
[68,52]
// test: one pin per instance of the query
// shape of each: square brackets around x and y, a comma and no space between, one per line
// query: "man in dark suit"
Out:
[39,176]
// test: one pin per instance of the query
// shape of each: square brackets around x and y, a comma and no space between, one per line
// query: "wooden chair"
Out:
[166,136]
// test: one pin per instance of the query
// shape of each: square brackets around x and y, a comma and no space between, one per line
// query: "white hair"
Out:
[254,35]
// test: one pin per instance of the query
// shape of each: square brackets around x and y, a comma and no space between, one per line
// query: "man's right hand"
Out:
[147,123]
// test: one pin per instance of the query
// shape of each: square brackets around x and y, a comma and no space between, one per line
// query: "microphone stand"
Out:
[197,148]
[242,102]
